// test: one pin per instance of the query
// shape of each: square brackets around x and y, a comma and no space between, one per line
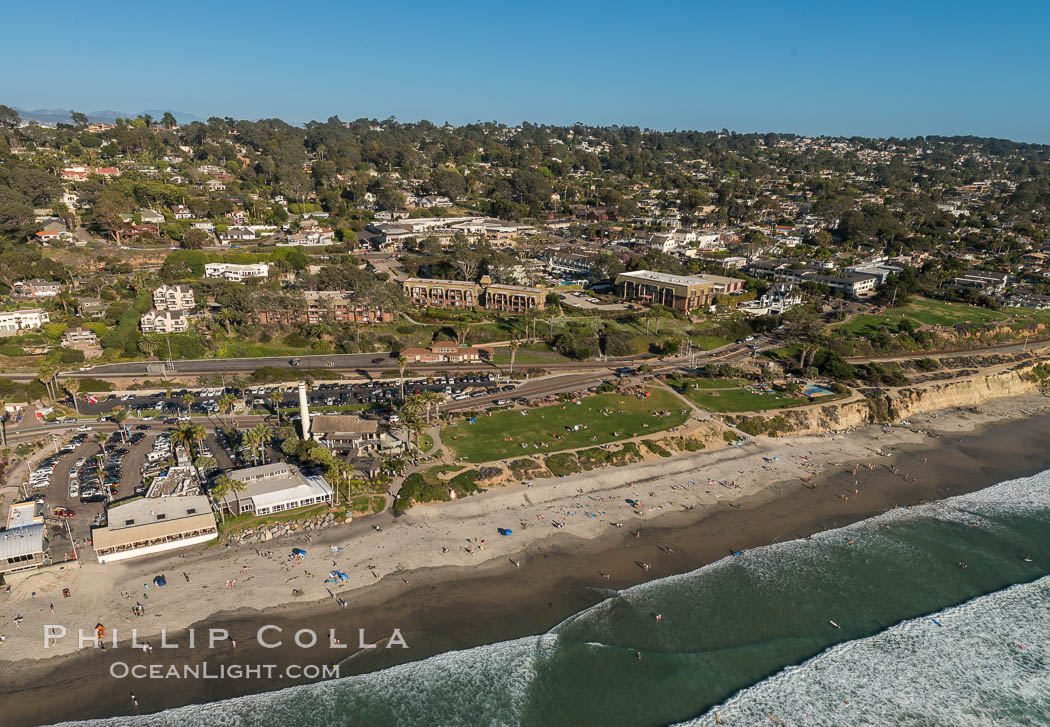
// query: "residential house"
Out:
[91,308]
[237,234]
[151,216]
[174,297]
[181,212]
[13,322]
[79,338]
[155,321]
[236,273]
[36,288]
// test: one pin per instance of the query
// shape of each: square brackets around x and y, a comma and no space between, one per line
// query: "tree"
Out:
[223,486]
[461,330]
[226,402]
[72,386]
[119,414]
[108,210]
[189,435]
[402,364]
[276,398]
[431,399]
[188,400]
[78,118]
[168,120]
[513,345]
[44,376]
[148,344]
[195,239]
[261,435]
[9,118]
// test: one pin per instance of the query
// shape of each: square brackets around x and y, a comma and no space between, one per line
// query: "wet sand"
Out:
[444,608]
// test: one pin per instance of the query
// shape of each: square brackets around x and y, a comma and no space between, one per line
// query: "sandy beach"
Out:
[445,577]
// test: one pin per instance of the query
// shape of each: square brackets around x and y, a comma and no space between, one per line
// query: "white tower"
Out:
[304,410]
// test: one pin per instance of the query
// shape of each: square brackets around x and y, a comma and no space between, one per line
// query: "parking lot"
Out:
[167,407]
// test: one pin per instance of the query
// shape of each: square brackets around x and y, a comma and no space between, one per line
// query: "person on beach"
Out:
[134,700]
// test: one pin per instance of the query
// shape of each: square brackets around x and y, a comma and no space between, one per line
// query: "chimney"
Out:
[304,410]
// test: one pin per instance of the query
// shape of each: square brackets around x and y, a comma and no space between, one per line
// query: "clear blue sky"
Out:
[866,68]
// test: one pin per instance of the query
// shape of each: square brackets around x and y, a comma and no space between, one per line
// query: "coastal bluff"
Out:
[895,404]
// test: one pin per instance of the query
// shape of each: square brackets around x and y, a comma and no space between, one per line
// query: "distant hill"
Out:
[54,116]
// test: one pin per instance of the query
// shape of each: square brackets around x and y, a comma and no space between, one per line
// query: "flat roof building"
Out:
[441,293]
[154,525]
[682,292]
[273,488]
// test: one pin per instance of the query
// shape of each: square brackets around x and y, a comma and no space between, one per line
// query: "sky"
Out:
[845,68]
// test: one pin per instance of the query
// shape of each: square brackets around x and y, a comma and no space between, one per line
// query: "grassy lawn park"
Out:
[603,418]
[924,312]
[736,395]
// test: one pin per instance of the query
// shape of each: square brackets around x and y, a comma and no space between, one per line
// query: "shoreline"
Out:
[455,606]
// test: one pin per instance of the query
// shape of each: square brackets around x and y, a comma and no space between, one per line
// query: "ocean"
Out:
[935,615]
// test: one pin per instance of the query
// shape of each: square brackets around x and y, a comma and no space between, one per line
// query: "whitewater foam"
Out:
[988,664]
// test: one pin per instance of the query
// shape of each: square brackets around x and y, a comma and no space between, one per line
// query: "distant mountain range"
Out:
[100,117]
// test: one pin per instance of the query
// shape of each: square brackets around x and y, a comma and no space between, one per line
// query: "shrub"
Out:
[564,463]
[655,448]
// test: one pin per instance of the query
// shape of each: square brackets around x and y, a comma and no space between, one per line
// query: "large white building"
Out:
[153,525]
[167,321]
[13,321]
[273,488]
[174,297]
[236,273]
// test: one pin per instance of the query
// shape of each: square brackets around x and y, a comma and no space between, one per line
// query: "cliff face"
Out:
[881,405]
[967,392]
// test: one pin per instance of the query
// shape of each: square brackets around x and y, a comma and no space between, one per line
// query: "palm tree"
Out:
[461,330]
[190,435]
[226,402]
[431,399]
[72,386]
[276,398]
[119,414]
[188,400]
[44,376]
[223,486]
[402,364]
[149,344]
[225,317]
[262,435]
[513,345]
[3,424]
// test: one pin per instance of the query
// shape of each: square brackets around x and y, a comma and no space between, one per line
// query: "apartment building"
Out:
[155,321]
[174,297]
[514,298]
[442,293]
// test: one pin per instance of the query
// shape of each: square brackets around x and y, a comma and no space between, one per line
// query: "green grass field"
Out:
[924,312]
[736,399]
[502,434]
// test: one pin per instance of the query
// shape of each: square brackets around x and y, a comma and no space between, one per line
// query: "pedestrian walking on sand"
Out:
[52,608]
[134,700]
